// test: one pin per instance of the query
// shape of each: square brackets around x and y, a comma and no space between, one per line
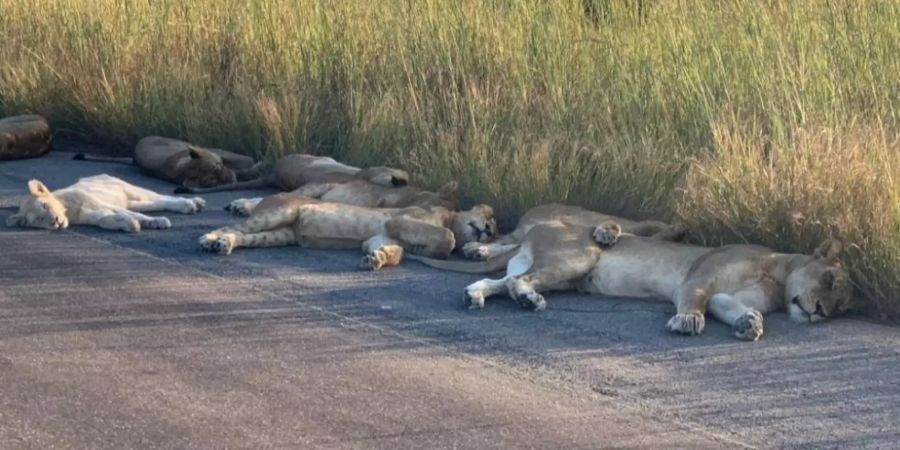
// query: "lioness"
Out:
[568,215]
[737,283]
[297,170]
[101,200]
[385,234]
[363,193]
[183,163]
[552,249]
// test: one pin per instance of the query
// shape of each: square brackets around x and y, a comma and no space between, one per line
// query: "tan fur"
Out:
[570,216]
[383,233]
[103,201]
[295,171]
[187,165]
[736,283]
[552,249]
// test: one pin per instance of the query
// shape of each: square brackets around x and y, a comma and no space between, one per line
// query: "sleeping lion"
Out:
[736,283]
[103,201]
[384,234]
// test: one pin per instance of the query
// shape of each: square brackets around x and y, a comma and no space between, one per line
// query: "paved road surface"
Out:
[110,340]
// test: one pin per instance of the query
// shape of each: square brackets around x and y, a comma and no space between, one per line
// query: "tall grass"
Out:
[772,122]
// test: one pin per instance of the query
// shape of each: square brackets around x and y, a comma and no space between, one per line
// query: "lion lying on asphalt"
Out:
[331,181]
[101,200]
[384,233]
[183,163]
[552,249]
[567,215]
[736,283]
[293,171]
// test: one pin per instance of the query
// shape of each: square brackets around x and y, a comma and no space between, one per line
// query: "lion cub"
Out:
[101,200]
[384,233]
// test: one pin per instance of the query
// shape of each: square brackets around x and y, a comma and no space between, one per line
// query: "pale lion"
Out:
[383,233]
[736,283]
[101,200]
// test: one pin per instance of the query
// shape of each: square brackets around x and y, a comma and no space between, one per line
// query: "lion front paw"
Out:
[239,207]
[158,223]
[607,233]
[475,250]
[191,205]
[130,225]
[214,243]
[200,203]
[749,326]
[690,324]
[371,261]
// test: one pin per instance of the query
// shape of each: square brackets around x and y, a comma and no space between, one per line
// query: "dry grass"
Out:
[772,122]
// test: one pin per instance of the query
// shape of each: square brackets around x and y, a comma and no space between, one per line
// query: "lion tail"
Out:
[495,264]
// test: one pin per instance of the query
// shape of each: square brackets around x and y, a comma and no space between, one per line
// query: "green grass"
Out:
[771,122]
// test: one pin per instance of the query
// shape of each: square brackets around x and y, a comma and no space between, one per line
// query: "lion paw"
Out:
[531,300]
[158,223]
[239,207]
[473,298]
[371,261]
[690,324]
[130,225]
[201,204]
[475,250]
[192,205]
[749,326]
[221,244]
[607,233]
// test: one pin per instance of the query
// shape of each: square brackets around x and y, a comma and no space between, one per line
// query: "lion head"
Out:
[205,169]
[384,176]
[475,225]
[40,210]
[819,288]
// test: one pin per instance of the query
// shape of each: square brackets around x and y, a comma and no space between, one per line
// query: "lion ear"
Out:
[830,250]
[398,181]
[38,189]
[487,210]
[196,152]
[15,220]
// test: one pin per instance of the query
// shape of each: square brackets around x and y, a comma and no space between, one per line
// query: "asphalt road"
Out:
[112,340]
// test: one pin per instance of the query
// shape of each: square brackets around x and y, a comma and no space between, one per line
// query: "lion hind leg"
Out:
[381,251]
[270,220]
[476,293]
[225,241]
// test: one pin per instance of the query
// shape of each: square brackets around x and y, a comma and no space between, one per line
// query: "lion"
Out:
[26,136]
[384,234]
[185,164]
[552,248]
[569,215]
[331,181]
[103,201]
[738,284]
[297,170]
[363,193]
